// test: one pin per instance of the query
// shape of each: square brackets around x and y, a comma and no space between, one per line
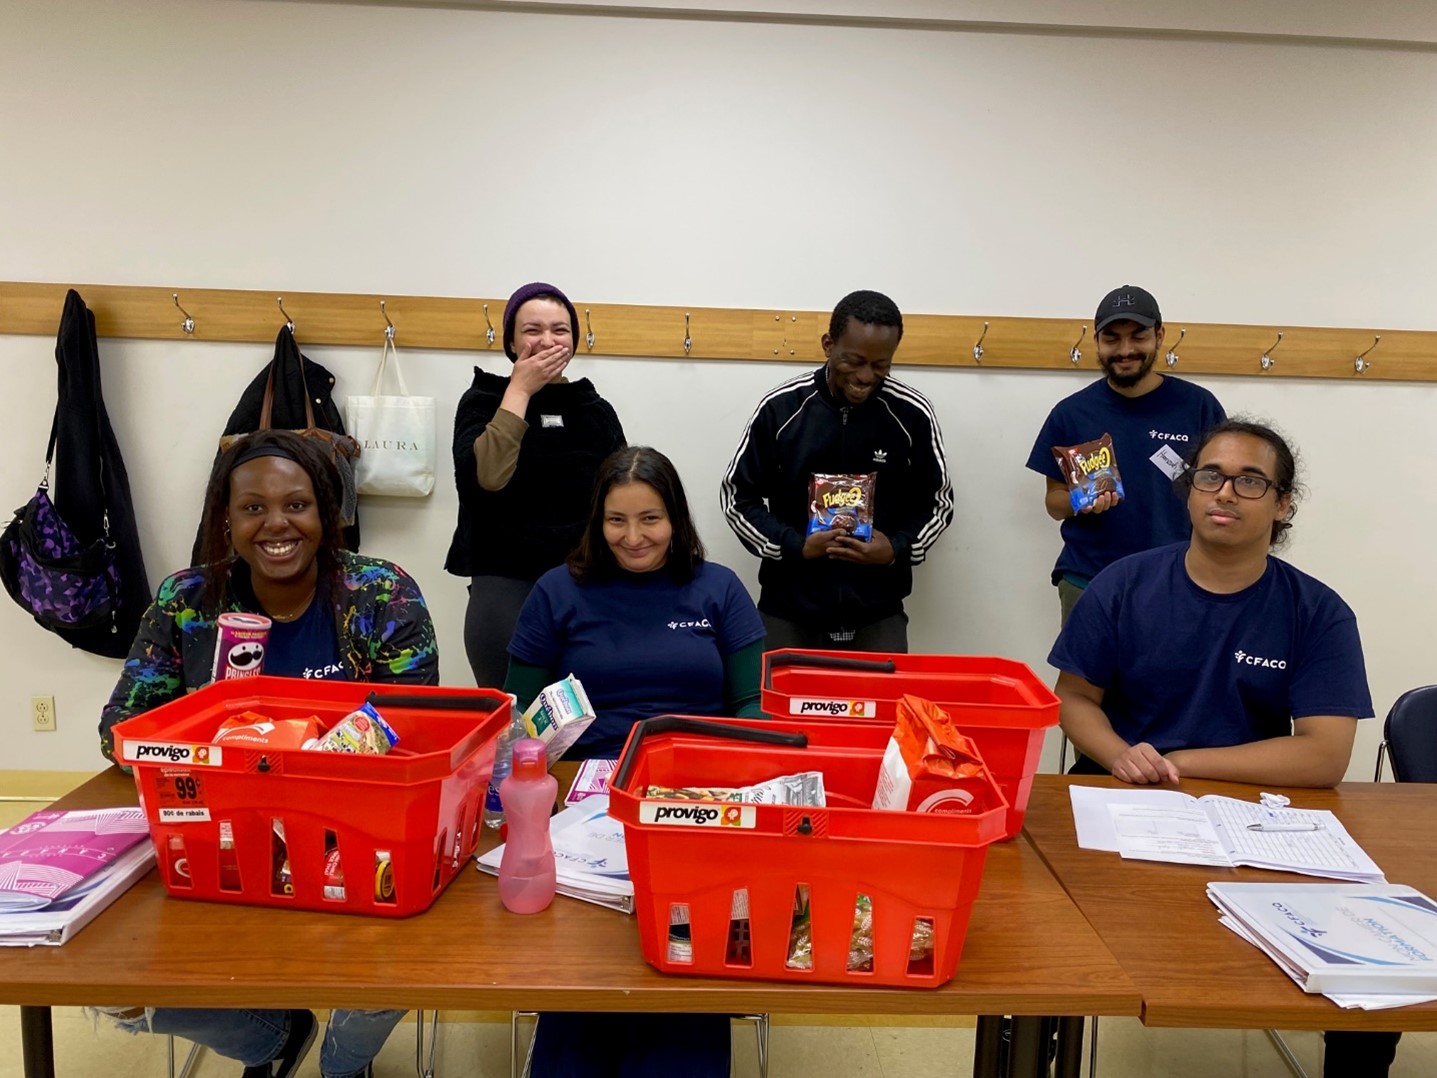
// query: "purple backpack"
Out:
[61,582]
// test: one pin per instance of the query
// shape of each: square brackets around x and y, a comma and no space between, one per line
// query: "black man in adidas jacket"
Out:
[831,590]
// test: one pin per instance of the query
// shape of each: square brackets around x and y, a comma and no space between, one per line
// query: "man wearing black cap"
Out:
[1154,421]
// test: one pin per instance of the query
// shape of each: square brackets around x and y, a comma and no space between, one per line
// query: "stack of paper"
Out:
[1165,825]
[589,857]
[59,869]
[1360,945]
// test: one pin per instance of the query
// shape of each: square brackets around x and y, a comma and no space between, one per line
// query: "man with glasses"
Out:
[1212,658]
[1154,421]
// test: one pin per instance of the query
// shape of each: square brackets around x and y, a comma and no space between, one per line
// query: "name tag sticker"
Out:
[1168,462]
[551,421]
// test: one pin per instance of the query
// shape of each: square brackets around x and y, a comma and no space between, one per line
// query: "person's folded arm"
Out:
[741,674]
[1087,727]
[1317,754]
[525,681]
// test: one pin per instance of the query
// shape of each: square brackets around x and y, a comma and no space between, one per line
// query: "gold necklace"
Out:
[298,610]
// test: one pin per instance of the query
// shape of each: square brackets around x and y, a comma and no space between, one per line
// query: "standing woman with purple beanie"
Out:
[527,449]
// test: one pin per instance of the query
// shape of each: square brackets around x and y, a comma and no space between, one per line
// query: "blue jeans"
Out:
[253,1037]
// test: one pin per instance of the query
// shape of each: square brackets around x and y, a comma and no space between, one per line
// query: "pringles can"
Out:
[240,641]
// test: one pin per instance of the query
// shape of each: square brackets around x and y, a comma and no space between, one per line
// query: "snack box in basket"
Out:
[1000,703]
[300,829]
[717,886]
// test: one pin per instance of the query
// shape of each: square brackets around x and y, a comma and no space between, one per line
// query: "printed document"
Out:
[1167,825]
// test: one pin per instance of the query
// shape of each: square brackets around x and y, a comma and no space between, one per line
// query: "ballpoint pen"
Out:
[1284,827]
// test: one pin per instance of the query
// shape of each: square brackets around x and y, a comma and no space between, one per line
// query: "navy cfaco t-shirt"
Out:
[1184,668]
[1152,438]
[641,644]
[307,647]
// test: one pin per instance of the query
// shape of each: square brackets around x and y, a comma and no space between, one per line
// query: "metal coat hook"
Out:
[1362,364]
[388,325]
[1267,362]
[1073,353]
[978,345]
[188,325]
[288,321]
[1172,356]
[688,340]
[588,331]
[489,333]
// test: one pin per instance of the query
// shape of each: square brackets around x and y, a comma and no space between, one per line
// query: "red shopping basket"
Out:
[724,890]
[999,703]
[401,824]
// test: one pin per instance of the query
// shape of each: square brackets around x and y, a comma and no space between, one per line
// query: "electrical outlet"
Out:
[42,712]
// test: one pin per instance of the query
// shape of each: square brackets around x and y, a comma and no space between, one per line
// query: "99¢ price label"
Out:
[180,797]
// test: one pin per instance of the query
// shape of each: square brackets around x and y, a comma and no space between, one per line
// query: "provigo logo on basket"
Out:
[696,814]
[837,709]
[168,752]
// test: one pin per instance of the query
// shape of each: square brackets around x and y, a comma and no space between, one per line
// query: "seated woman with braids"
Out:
[271,544]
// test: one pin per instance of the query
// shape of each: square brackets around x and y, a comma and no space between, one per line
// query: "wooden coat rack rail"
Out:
[430,322]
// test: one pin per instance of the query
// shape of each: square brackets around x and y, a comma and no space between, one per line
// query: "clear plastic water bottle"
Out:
[503,762]
[526,870]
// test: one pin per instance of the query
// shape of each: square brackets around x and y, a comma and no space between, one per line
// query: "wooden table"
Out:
[1163,930]
[1028,952]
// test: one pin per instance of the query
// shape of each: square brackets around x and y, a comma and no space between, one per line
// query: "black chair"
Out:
[1409,737]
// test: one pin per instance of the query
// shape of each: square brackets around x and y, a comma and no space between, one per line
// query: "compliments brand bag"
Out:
[396,435]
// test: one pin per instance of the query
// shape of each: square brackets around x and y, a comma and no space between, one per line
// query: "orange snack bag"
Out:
[929,766]
[252,728]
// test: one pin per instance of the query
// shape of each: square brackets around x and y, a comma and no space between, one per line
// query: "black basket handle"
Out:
[774,659]
[666,724]
[468,702]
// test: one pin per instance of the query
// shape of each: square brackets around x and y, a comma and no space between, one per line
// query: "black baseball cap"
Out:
[1128,304]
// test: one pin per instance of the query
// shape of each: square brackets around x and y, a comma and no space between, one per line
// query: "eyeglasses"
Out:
[1210,481]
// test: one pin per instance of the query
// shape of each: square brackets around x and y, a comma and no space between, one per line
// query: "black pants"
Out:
[889,634]
[494,605]
[1351,1053]
[632,1045]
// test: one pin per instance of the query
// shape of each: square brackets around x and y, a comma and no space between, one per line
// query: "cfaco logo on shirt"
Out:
[322,671]
[1164,436]
[704,624]
[1244,659]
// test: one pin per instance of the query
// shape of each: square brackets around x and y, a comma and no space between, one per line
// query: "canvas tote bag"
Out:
[396,435]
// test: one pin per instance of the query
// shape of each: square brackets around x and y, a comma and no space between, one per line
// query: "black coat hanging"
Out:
[293,371]
[90,487]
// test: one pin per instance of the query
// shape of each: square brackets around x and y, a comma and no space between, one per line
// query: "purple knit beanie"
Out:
[522,295]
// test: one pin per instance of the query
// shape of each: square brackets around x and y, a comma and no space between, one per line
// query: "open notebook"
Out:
[1166,825]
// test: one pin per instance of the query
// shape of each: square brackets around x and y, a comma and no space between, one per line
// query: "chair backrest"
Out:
[1411,734]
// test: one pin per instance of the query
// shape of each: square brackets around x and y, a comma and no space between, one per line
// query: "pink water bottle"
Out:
[526,871]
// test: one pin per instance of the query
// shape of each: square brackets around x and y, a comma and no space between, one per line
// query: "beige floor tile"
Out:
[820,1052]
[915,1052]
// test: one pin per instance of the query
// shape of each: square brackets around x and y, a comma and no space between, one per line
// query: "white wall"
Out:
[447,152]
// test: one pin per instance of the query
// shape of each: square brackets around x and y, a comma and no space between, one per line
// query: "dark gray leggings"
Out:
[494,605]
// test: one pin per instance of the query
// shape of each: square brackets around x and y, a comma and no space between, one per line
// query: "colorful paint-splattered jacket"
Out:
[384,629]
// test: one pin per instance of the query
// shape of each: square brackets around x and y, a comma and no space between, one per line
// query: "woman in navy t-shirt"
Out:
[638,615]
[650,628]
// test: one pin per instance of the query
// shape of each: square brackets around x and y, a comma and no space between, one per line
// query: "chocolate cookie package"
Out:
[842,503]
[1090,469]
